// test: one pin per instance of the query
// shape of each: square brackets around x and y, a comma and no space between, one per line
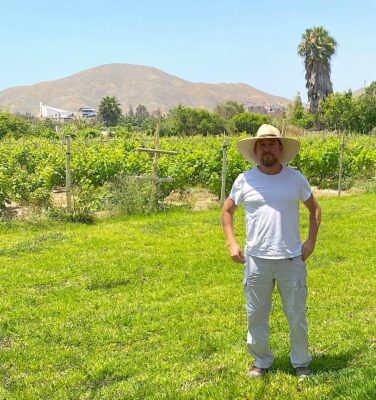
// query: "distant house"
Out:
[271,109]
[87,112]
[55,113]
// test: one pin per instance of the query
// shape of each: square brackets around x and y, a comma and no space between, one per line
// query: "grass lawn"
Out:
[151,307]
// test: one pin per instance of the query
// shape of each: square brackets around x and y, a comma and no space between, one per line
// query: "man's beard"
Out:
[268,160]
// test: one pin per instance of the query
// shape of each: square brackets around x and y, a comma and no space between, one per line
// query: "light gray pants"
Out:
[259,277]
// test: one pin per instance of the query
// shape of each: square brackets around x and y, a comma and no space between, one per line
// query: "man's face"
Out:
[268,151]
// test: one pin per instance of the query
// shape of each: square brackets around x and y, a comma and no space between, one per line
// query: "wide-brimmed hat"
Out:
[291,146]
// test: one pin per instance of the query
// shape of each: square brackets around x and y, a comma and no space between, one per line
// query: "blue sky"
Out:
[253,42]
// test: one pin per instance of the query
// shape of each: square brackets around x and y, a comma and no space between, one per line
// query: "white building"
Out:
[87,112]
[53,112]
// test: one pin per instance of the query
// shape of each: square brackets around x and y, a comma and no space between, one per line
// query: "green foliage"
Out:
[141,120]
[75,216]
[339,111]
[229,108]
[317,47]
[298,116]
[130,195]
[45,128]
[248,122]
[13,126]
[28,172]
[141,112]
[367,108]
[366,185]
[343,111]
[319,157]
[110,110]
[185,121]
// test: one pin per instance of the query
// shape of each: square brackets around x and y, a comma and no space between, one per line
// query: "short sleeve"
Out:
[305,189]
[236,193]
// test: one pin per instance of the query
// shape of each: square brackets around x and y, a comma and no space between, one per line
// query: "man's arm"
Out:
[228,211]
[314,223]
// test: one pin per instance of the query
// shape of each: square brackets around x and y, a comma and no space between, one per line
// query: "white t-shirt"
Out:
[271,211]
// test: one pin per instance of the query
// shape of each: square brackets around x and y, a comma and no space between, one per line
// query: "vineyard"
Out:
[30,169]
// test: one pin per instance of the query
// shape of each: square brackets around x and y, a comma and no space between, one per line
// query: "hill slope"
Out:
[132,85]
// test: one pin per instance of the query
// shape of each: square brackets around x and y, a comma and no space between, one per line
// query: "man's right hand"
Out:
[236,253]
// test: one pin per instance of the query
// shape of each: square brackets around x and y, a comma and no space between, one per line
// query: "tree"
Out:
[340,111]
[110,111]
[317,48]
[229,108]
[186,121]
[298,116]
[367,108]
[141,112]
[248,122]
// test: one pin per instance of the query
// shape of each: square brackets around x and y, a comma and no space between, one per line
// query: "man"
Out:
[271,192]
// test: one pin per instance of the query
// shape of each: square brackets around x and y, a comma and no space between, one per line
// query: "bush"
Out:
[75,216]
[14,126]
[368,185]
[248,122]
[131,195]
[186,121]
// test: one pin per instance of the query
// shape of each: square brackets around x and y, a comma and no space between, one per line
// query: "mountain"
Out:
[359,92]
[133,85]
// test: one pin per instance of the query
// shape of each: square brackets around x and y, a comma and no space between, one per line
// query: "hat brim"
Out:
[290,148]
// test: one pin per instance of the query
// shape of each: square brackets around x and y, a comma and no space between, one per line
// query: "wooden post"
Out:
[63,139]
[224,170]
[154,178]
[155,188]
[68,174]
[283,127]
[341,162]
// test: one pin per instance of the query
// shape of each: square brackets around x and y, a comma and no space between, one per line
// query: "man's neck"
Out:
[273,170]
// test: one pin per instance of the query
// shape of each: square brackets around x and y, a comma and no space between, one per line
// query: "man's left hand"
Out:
[307,249]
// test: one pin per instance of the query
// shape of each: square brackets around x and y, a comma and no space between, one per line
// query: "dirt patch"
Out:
[14,210]
[59,197]
[331,192]
[196,199]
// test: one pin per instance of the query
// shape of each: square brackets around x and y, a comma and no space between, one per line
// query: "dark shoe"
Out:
[256,372]
[303,372]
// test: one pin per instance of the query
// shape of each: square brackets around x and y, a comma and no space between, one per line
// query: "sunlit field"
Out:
[151,307]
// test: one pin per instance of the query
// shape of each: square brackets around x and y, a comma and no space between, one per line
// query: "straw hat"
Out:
[291,146]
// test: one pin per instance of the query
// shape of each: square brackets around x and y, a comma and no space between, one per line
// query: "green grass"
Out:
[151,307]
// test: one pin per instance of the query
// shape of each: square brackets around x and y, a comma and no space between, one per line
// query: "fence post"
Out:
[224,169]
[341,162]
[68,173]
[154,197]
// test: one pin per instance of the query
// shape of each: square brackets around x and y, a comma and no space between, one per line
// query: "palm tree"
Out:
[317,47]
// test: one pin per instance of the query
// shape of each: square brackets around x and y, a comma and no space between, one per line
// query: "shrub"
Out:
[130,195]
[248,122]
[13,126]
